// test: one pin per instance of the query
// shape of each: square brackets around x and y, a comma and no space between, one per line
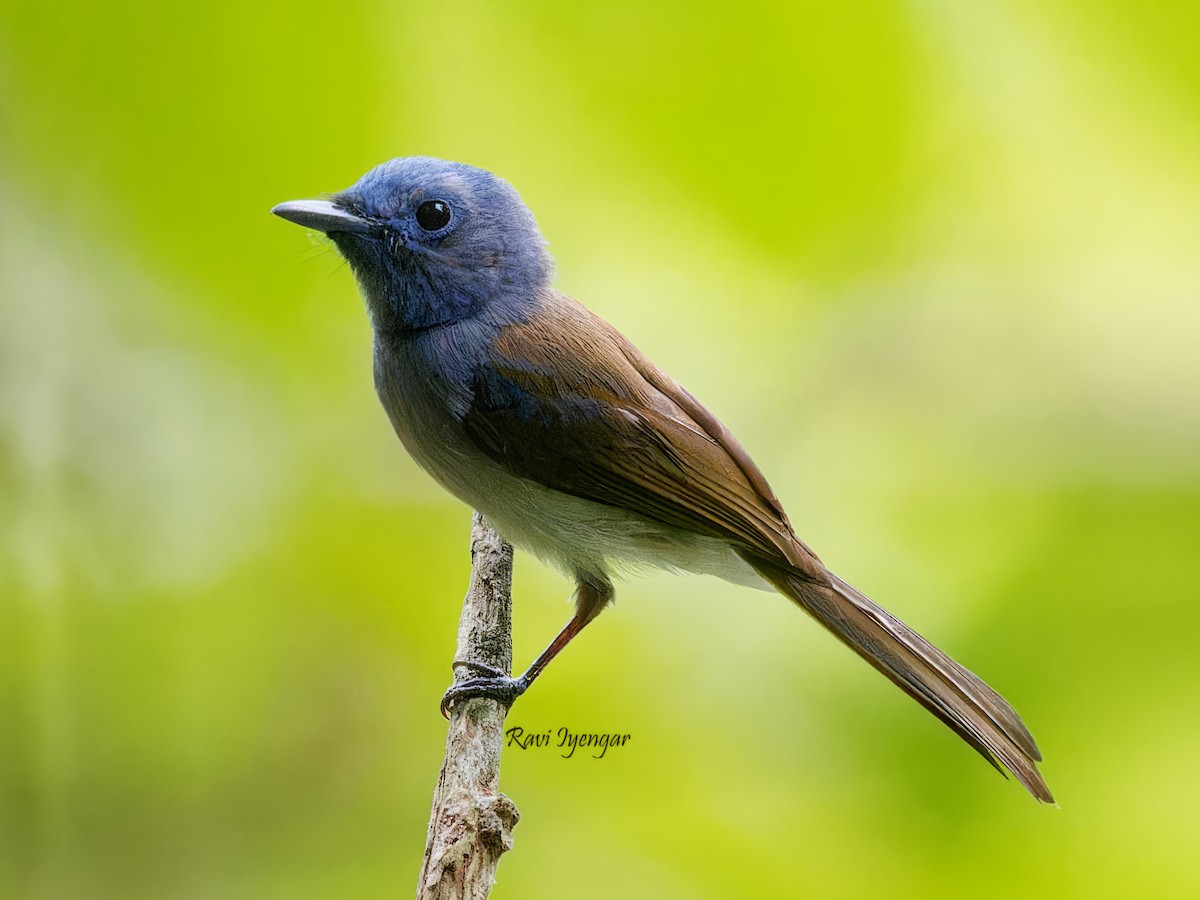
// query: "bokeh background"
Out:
[936,263]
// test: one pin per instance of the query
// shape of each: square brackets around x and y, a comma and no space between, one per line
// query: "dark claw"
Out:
[482,668]
[494,686]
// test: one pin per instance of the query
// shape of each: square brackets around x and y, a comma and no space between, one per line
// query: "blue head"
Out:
[431,242]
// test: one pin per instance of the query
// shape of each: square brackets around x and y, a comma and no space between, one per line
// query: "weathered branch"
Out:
[471,823]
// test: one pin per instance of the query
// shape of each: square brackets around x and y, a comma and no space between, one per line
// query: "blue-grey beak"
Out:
[321,215]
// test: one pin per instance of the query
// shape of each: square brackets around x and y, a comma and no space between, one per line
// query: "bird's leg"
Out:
[591,596]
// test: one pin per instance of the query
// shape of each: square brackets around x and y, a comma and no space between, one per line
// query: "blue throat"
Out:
[407,295]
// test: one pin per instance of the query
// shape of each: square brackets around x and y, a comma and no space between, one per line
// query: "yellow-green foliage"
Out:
[936,263]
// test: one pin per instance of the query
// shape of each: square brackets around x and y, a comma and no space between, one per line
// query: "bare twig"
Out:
[471,823]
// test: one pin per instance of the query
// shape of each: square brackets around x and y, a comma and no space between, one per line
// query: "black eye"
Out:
[433,215]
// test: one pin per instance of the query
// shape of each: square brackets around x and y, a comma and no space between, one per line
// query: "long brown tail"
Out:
[979,715]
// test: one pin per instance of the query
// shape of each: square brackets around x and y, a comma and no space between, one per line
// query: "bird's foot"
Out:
[492,684]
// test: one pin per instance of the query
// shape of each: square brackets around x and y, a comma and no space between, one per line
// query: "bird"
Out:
[543,417]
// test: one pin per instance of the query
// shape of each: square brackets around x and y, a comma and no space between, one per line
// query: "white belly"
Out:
[580,536]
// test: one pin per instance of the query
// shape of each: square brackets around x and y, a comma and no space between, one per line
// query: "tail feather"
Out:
[958,697]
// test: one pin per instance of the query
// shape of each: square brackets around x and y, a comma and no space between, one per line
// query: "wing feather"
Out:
[571,404]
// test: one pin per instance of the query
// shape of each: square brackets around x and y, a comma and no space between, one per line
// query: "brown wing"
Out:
[566,401]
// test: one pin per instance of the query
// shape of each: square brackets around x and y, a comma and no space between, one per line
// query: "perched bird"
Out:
[542,416]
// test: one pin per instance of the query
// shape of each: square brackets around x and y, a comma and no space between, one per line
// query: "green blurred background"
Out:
[936,263]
